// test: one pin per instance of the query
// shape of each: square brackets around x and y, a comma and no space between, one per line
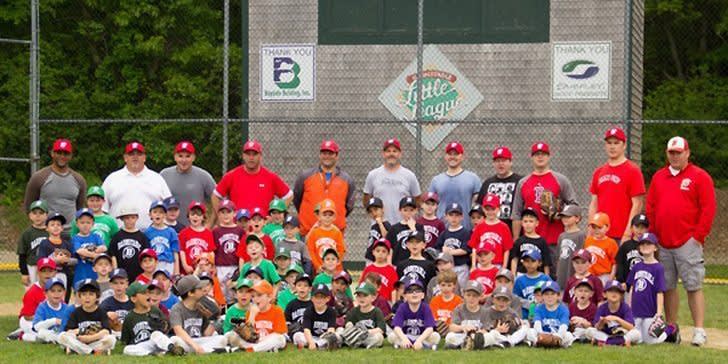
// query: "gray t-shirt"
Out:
[568,244]
[196,184]
[391,187]
[462,316]
[516,304]
[191,321]
[64,193]
[508,316]
[459,189]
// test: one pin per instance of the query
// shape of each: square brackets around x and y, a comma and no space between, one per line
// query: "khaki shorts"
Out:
[685,262]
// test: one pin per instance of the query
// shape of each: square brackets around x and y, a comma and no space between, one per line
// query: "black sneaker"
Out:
[175,350]
[675,336]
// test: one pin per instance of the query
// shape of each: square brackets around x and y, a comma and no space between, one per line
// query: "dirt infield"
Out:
[717,339]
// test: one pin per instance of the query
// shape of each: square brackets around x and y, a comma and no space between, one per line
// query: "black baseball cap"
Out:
[529,212]
[321,289]
[640,219]
[303,277]
[454,207]
[374,202]
[407,201]
[415,235]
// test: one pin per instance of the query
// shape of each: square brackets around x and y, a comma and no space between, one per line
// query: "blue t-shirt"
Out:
[551,320]
[164,242]
[45,312]
[455,189]
[457,239]
[525,286]
[85,266]
[413,323]
[170,301]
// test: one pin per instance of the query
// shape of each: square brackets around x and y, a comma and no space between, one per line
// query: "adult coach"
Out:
[681,206]
[617,187]
[251,185]
[63,189]
[134,185]
[503,183]
[326,181]
[530,190]
[186,181]
[391,182]
[455,185]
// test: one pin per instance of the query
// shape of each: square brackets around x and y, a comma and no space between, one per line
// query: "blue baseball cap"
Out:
[118,273]
[613,285]
[242,213]
[531,253]
[56,216]
[550,286]
[53,281]
[412,281]
[291,220]
[454,207]
[171,202]
[158,203]
[84,211]
[648,238]
[162,271]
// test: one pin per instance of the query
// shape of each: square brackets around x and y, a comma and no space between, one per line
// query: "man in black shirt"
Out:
[503,183]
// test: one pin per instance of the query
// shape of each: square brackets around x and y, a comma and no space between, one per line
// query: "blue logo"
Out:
[285,72]
[580,69]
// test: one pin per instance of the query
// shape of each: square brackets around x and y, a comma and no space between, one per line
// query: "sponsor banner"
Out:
[288,73]
[581,71]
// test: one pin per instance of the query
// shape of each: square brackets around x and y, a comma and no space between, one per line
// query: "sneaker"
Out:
[675,336]
[434,347]
[15,335]
[224,350]
[175,350]
[699,337]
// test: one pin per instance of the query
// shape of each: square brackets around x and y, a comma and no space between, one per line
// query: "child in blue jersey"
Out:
[163,238]
[525,284]
[86,245]
[551,318]
[52,315]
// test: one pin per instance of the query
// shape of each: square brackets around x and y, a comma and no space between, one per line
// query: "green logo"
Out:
[285,67]
[439,95]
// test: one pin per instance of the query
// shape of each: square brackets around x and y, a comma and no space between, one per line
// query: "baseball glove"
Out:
[354,336]
[332,341]
[115,325]
[474,341]
[208,308]
[442,328]
[158,322]
[247,332]
[657,327]
[548,341]
[294,327]
[91,329]
[550,204]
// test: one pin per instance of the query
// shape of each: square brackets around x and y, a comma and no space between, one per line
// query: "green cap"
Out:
[277,205]
[39,204]
[283,252]
[136,287]
[245,282]
[367,289]
[295,267]
[95,191]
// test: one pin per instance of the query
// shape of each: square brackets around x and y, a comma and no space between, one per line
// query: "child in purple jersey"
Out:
[614,323]
[413,324]
[646,280]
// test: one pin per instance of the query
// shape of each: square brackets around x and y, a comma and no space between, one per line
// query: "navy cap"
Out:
[162,271]
[648,238]
[102,256]
[640,219]
[171,202]
[56,216]
[375,202]
[454,207]
[529,211]
[304,277]
[87,283]
[291,220]
[84,211]
[158,203]
[477,208]
[407,201]
[321,289]
[531,253]
[53,281]
[550,286]
[415,235]
[613,285]
[255,270]
[242,213]
[118,273]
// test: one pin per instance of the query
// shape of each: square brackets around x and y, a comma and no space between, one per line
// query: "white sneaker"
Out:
[699,337]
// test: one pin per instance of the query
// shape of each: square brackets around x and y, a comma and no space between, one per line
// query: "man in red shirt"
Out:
[251,185]
[681,203]
[617,187]
[529,191]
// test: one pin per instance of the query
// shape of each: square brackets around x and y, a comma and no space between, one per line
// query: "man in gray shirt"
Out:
[186,181]
[63,189]
[391,182]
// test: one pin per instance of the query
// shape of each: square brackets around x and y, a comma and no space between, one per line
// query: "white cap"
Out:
[127,210]
[677,144]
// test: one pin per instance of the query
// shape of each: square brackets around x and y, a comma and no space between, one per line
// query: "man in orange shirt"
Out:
[444,303]
[325,235]
[602,248]
[268,320]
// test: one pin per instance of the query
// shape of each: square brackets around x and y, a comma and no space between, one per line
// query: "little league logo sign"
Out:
[288,73]
[446,96]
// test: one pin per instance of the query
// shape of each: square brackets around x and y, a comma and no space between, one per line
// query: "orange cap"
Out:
[599,219]
[263,287]
[327,205]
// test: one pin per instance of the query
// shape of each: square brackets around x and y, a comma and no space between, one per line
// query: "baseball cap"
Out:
[86,285]
[640,219]
[599,219]
[46,263]
[474,286]
[445,257]
[162,271]
[502,152]
[570,210]
[343,275]
[582,254]
[242,213]
[394,142]
[39,204]
[616,132]
[327,205]
[484,248]
[277,204]
[118,273]
[148,252]
[252,145]
[648,238]
[407,201]
[327,249]
[505,273]
[56,216]
[226,205]
[303,277]
[102,256]
[375,202]
[476,208]
[321,289]
[294,267]
[291,220]
[584,282]
[382,242]
[256,211]
[95,191]
[454,146]
[613,285]
[255,270]
[62,145]
[154,284]
[540,147]
[415,235]
[136,287]
[158,203]
[283,252]
[491,200]
[502,292]
[84,211]
[531,253]
[411,282]
[329,145]
[126,210]
[454,207]
[206,276]
[244,283]
[54,281]
[171,202]
[366,288]
[188,283]
[550,286]
[134,147]
[197,205]
[529,211]
[263,287]
[677,144]
[431,196]
[184,146]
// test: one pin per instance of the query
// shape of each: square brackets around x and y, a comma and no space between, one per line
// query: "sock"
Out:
[670,329]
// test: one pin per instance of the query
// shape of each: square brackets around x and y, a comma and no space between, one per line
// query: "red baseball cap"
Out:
[540,147]
[148,252]
[677,144]
[454,146]
[134,147]
[185,146]
[197,205]
[383,242]
[484,248]
[502,152]
[392,143]
[252,145]
[431,196]
[46,263]
[491,200]
[226,204]
[62,145]
[329,145]
[616,132]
